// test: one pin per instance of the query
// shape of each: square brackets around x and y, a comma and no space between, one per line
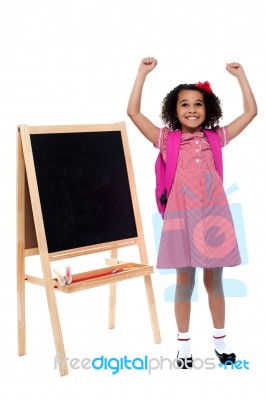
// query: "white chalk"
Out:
[60,279]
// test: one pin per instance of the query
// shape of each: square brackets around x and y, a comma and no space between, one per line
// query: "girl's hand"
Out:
[147,65]
[249,103]
[234,68]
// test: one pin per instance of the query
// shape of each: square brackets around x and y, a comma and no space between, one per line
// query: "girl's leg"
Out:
[185,281]
[214,286]
[184,288]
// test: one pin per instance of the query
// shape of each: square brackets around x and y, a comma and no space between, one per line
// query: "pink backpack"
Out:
[165,171]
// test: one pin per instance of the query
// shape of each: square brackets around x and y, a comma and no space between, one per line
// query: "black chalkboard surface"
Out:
[83,187]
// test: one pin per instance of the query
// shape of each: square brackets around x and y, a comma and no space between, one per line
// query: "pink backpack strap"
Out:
[215,144]
[172,150]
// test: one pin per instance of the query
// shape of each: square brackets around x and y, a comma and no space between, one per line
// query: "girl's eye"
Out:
[196,104]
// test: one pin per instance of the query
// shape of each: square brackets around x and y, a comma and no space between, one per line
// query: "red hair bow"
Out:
[205,86]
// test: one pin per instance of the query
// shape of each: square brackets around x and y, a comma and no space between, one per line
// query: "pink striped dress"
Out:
[198,229]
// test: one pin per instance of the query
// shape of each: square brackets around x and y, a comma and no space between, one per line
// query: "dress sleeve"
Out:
[223,135]
[161,140]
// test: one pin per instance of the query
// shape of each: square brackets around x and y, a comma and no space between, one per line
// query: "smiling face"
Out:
[190,110]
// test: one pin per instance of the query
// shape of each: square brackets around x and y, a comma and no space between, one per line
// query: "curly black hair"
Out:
[212,106]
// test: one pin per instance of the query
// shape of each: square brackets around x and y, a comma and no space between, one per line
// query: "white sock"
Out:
[184,345]
[220,345]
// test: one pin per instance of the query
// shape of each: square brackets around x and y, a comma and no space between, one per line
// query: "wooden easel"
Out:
[32,240]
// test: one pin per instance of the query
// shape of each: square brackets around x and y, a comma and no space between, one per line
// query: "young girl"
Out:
[198,229]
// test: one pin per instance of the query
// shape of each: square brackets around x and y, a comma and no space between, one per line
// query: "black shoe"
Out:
[184,363]
[230,358]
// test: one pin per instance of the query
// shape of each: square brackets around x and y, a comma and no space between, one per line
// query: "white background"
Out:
[74,62]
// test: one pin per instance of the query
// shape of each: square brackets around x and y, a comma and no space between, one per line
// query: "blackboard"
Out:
[84,188]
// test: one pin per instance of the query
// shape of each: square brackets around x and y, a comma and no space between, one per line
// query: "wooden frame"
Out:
[31,240]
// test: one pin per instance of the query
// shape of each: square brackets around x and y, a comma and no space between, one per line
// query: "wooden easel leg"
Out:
[21,309]
[112,298]
[152,309]
[112,306]
[60,357]
[60,360]
[21,176]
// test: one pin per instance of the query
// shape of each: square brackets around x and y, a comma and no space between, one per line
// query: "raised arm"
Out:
[249,102]
[145,126]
